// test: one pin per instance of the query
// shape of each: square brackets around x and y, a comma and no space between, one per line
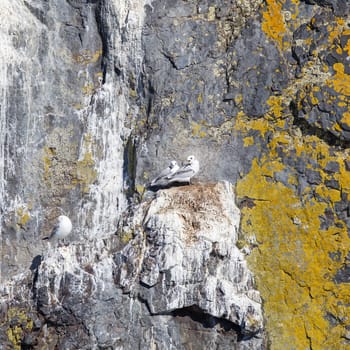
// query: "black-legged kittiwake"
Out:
[62,228]
[186,172]
[166,173]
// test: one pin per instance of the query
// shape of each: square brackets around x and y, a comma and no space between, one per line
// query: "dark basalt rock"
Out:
[340,7]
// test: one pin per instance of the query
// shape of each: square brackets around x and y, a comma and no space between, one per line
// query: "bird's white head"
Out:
[65,222]
[173,163]
[62,218]
[190,159]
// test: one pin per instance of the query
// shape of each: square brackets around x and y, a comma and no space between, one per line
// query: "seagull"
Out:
[166,173]
[187,171]
[62,228]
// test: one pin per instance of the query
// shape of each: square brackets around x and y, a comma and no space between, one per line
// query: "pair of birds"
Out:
[174,173]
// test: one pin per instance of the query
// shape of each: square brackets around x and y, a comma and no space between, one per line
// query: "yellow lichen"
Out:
[340,81]
[23,216]
[140,189]
[19,323]
[87,57]
[347,47]
[88,88]
[292,264]
[312,90]
[295,7]
[273,23]
[336,30]
[197,130]
[126,236]
[276,107]
[346,118]
[86,172]
[238,99]
[299,249]
[248,141]
[291,258]
[132,92]
[245,124]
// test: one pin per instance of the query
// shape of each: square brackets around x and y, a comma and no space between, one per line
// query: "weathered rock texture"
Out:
[179,283]
[96,96]
[190,258]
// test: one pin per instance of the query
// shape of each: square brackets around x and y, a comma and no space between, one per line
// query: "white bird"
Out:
[186,172]
[62,228]
[166,173]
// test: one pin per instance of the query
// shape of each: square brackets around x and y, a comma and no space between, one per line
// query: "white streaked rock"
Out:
[188,257]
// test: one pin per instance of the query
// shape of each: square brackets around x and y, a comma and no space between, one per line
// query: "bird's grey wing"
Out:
[163,173]
[182,174]
[54,231]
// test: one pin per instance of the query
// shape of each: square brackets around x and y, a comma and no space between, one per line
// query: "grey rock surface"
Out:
[181,274]
[193,60]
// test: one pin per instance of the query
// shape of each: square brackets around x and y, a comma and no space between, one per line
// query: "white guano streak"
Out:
[7,56]
[99,214]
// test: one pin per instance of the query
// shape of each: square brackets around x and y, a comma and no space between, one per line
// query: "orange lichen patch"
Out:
[19,323]
[340,81]
[344,176]
[302,243]
[293,264]
[339,50]
[347,47]
[248,141]
[244,124]
[313,98]
[335,31]
[273,24]
[346,118]
[328,194]
[276,107]
[279,139]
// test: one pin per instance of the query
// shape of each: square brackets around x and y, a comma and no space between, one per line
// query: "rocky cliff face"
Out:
[178,283]
[96,96]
